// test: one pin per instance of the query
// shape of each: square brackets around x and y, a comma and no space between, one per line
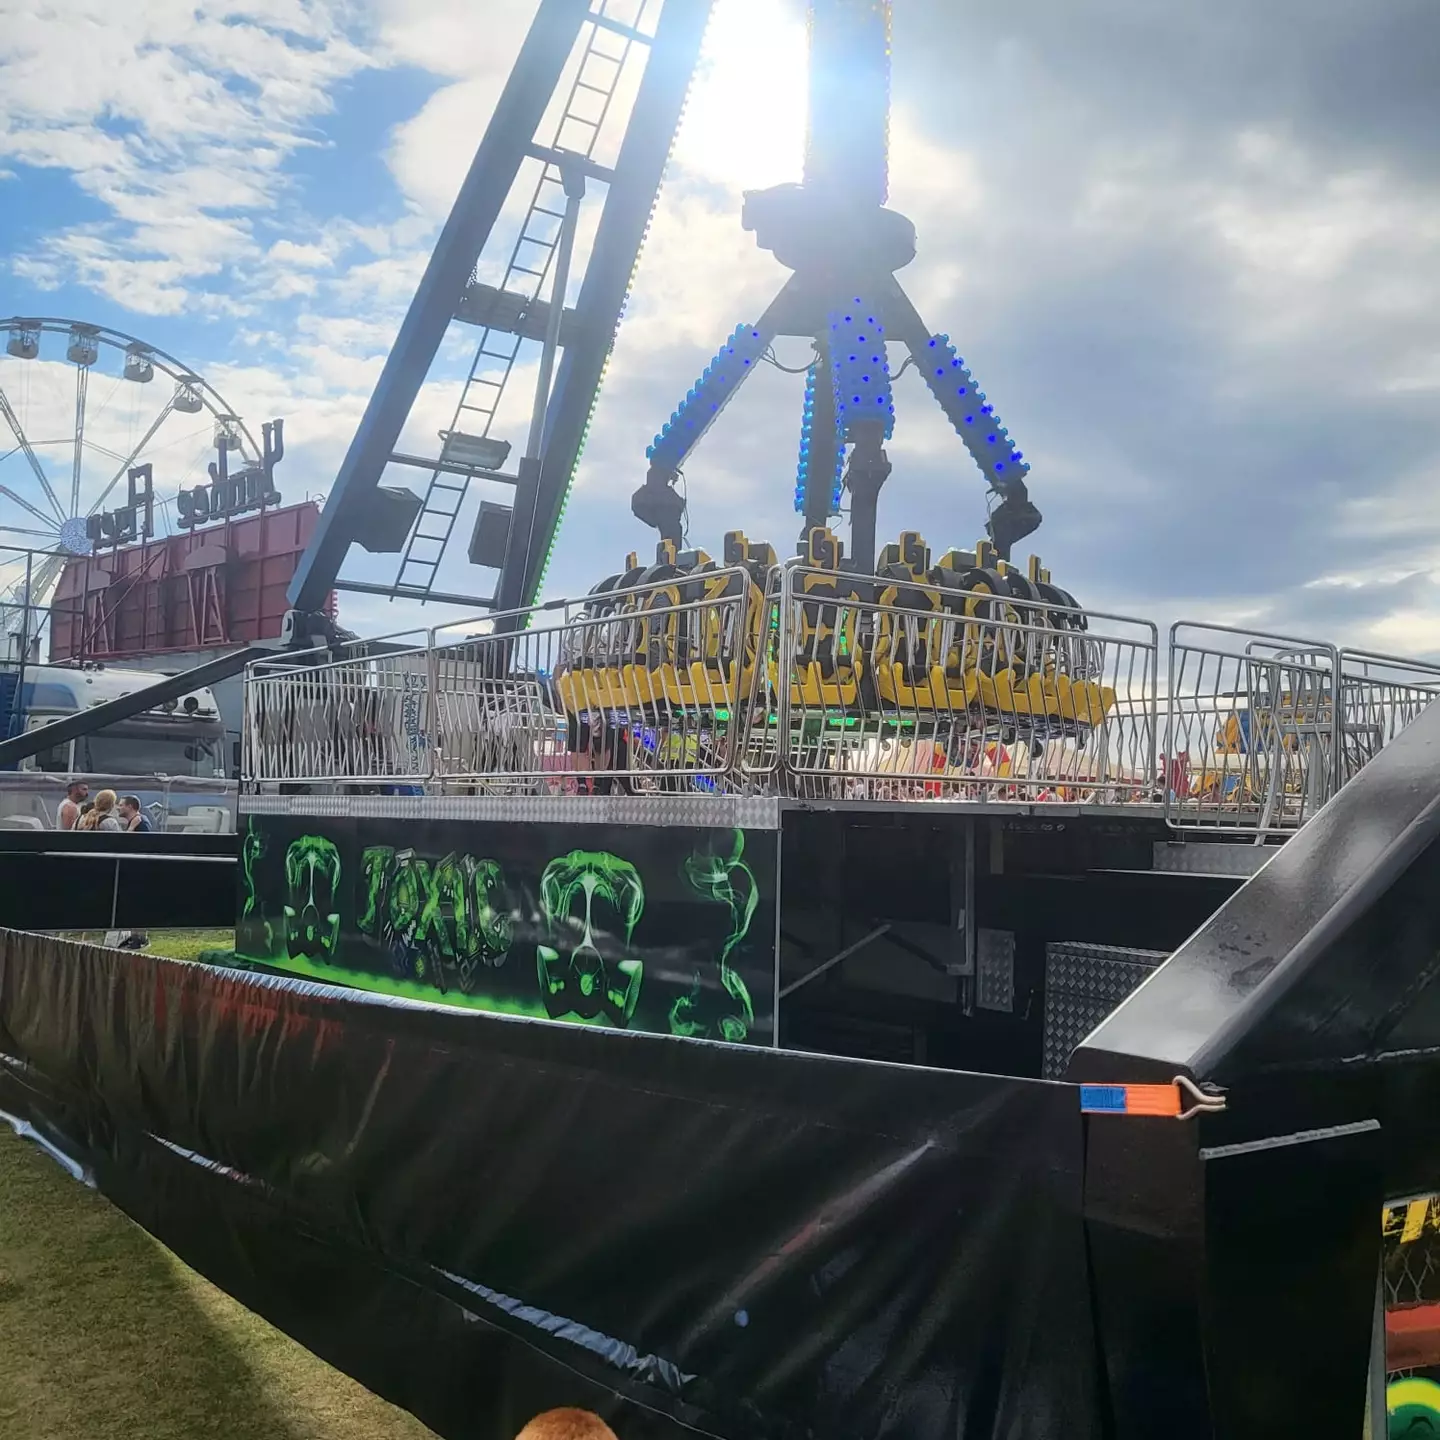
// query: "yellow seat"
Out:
[901,657]
[827,663]
[728,642]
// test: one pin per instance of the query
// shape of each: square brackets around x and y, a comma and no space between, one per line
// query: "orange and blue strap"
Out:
[1165,1101]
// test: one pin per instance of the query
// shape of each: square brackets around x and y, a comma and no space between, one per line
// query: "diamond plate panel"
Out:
[995,970]
[1083,984]
[721,811]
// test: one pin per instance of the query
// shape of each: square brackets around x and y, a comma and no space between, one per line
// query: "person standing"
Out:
[102,816]
[68,815]
[132,817]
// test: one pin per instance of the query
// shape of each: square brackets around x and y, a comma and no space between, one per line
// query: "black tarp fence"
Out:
[481,1216]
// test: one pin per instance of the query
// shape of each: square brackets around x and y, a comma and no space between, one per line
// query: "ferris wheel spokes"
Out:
[68,527]
[30,455]
[82,389]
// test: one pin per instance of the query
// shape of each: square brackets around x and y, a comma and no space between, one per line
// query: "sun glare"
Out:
[745,124]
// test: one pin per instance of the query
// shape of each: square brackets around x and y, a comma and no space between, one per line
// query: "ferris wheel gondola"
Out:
[69,451]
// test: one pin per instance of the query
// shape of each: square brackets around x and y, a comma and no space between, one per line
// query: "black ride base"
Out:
[855,938]
[482,1214]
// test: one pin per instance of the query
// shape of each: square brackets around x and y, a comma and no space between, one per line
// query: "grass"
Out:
[176,944]
[105,1335]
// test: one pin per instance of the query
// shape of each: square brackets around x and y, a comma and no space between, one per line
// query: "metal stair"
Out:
[608,46]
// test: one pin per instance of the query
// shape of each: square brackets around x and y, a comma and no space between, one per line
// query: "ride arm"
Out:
[975,421]
[655,502]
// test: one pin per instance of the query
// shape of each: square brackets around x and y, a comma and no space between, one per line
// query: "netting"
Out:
[1412,1252]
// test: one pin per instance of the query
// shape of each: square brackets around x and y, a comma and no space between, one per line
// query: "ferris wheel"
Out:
[82,405]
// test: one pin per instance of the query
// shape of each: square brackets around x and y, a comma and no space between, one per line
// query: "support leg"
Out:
[868,470]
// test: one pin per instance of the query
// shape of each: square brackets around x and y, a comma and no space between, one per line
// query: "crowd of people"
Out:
[106,812]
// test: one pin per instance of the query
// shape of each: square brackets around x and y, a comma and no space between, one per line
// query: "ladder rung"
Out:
[594,89]
[601,58]
[628,32]
[594,49]
[591,169]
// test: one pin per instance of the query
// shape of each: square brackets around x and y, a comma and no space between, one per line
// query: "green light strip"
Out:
[624,305]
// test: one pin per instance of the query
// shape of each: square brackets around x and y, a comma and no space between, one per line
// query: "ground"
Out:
[105,1335]
[177,944]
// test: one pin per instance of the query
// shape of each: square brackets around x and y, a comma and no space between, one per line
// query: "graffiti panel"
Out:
[668,930]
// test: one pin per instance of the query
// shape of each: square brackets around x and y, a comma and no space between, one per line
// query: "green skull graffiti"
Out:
[721,876]
[312,911]
[577,979]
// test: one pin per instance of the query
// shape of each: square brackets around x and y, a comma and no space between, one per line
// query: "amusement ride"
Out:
[1134,953]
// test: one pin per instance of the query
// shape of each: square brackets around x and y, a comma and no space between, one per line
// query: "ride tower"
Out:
[843,246]
[585,121]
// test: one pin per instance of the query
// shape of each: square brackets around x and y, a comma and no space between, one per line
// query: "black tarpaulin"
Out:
[480,1216]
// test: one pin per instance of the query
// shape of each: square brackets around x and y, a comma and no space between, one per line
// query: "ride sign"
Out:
[252,488]
[224,497]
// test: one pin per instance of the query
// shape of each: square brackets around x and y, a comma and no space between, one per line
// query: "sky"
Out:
[1189,251]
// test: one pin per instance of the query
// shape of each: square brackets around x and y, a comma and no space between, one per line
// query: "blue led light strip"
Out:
[861,371]
[972,415]
[802,474]
[706,398]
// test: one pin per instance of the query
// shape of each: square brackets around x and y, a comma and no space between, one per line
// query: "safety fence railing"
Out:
[1379,696]
[898,690]
[362,716]
[638,692]
[1251,731]
[819,685]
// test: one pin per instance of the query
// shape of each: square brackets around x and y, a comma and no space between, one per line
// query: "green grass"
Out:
[176,944]
[105,1335]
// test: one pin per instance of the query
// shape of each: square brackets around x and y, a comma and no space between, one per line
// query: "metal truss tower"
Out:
[573,65]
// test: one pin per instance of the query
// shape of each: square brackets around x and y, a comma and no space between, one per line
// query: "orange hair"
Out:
[567,1424]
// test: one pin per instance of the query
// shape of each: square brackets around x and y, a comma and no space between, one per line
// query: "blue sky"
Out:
[1191,253]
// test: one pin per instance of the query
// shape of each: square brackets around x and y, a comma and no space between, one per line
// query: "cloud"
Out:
[1189,254]
[177,120]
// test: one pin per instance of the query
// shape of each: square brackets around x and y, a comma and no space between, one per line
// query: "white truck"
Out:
[173,758]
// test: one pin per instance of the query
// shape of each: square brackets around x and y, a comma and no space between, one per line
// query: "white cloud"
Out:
[178,120]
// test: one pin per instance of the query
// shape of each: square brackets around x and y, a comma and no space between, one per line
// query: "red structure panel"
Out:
[221,586]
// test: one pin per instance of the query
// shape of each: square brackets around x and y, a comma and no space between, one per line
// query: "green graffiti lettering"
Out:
[438,919]
[375,865]
[252,913]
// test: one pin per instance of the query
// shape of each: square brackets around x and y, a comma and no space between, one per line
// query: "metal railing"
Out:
[1379,696]
[917,691]
[638,692]
[1251,728]
[363,716]
[818,685]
